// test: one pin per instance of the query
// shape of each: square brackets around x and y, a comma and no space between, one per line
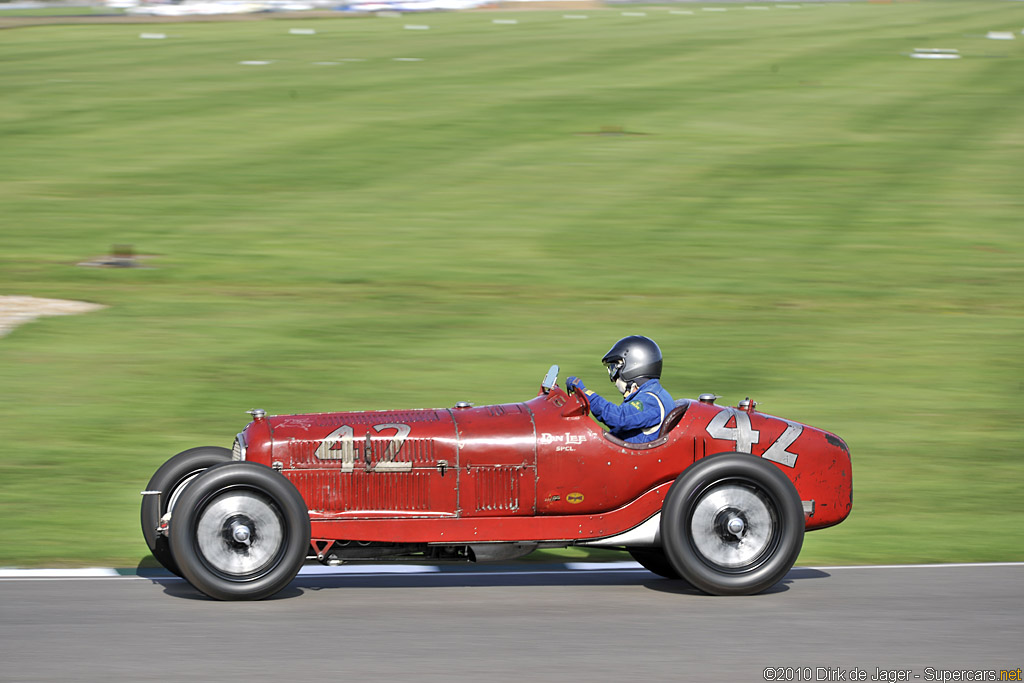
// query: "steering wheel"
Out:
[582,398]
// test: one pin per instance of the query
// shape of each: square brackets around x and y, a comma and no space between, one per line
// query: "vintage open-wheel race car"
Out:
[721,498]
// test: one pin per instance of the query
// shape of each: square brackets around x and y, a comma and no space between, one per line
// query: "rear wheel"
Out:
[732,524]
[170,480]
[240,532]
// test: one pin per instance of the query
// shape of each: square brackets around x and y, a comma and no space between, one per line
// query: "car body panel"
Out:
[538,471]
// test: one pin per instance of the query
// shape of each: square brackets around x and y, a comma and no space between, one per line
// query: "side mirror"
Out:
[550,379]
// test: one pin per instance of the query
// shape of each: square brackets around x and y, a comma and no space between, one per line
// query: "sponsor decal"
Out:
[568,440]
[575,498]
[637,404]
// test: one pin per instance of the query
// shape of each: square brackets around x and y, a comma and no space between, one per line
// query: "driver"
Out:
[634,366]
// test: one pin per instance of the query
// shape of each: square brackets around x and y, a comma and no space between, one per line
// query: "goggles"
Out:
[614,367]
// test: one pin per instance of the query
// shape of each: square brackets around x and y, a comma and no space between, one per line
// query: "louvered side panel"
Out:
[334,491]
[337,452]
[298,453]
[377,417]
[497,488]
[314,486]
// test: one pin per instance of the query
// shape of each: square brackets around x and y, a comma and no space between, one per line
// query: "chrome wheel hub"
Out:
[736,526]
[240,533]
[732,525]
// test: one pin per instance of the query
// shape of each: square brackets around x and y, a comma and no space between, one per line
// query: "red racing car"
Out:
[721,498]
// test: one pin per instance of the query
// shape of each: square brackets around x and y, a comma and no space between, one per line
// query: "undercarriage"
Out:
[333,553]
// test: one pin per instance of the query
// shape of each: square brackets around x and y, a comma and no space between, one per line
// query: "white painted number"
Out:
[340,445]
[388,463]
[746,436]
[777,451]
[743,434]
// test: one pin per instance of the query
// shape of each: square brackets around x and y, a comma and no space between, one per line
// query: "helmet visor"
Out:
[614,367]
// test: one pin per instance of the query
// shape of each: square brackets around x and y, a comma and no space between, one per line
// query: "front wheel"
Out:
[164,489]
[240,532]
[732,524]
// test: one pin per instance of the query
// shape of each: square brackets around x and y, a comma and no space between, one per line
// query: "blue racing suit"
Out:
[639,417]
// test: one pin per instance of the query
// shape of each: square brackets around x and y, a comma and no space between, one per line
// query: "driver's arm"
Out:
[640,413]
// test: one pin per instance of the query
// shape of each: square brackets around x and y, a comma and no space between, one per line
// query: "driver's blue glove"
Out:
[575,383]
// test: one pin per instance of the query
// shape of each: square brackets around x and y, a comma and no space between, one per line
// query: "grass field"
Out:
[795,209]
[57,11]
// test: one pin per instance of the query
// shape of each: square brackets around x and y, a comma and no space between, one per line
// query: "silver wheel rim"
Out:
[732,525]
[240,533]
[176,493]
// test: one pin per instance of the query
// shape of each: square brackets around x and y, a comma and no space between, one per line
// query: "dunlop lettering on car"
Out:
[341,445]
[746,436]
[569,440]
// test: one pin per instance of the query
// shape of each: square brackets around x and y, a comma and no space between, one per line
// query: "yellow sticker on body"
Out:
[575,497]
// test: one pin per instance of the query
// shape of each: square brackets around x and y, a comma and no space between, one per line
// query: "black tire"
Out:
[170,480]
[732,524]
[654,560]
[240,531]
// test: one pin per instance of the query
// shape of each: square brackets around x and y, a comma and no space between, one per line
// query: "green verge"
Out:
[6,11]
[794,208]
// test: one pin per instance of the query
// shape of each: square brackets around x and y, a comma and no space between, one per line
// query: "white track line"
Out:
[951,565]
[86,573]
[356,569]
[601,566]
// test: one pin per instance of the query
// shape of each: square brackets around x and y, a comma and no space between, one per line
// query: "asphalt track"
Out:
[524,623]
